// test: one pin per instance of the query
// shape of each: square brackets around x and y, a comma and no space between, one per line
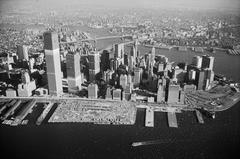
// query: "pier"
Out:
[24,112]
[44,113]
[172,119]
[12,109]
[199,117]
[149,120]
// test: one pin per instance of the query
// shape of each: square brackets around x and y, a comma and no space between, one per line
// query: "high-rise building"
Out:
[25,78]
[168,66]
[179,75]
[119,50]
[209,77]
[160,67]
[173,93]
[160,94]
[207,62]
[197,61]
[137,76]
[189,88]
[133,53]
[200,79]
[105,60]
[192,75]
[54,74]
[73,72]
[117,94]
[109,93]
[126,59]
[109,74]
[153,53]
[92,91]
[22,52]
[123,81]
[94,65]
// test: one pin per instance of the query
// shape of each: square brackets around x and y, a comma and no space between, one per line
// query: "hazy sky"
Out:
[198,4]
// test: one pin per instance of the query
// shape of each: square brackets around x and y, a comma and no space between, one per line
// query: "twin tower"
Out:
[54,73]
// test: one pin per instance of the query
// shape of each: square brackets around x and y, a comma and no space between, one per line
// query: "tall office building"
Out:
[92,91]
[117,94]
[137,76]
[133,53]
[22,52]
[123,81]
[153,53]
[160,93]
[54,74]
[119,50]
[207,62]
[209,77]
[108,93]
[191,75]
[197,61]
[173,93]
[160,67]
[105,61]
[73,72]
[94,65]
[126,59]
[200,79]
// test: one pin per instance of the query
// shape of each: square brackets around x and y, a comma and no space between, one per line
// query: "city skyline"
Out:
[167,4]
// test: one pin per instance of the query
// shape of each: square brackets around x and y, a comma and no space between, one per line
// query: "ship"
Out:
[153,142]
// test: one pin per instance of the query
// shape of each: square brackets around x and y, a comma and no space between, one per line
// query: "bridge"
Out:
[99,38]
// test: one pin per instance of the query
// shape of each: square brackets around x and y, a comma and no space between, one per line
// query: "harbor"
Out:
[44,113]
[172,120]
[149,121]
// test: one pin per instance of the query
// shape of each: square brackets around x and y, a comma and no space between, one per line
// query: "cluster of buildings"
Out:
[113,74]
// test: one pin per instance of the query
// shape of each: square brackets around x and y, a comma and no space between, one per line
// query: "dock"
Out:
[199,117]
[44,113]
[12,109]
[7,104]
[24,112]
[149,120]
[172,119]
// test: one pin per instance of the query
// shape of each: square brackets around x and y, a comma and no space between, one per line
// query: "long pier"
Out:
[12,109]
[172,119]
[44,113]
[24,112]
[149,121]
[199,117]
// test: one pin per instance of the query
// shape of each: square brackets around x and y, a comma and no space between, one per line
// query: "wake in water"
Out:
[135,144]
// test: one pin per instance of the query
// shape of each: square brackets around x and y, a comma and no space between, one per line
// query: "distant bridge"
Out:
[99,38]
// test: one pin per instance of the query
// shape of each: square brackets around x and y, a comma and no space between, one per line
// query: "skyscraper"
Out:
[73,72]
[94,65]
[197,61]
[123,81]
[105,61]
[200,79]
[207,62]
[173,93]
[54,74]
[160,93]
[22,52]
[137,76]
[119,50]
[92,91]
[153,53]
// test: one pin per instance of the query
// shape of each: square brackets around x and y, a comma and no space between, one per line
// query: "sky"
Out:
[196,4]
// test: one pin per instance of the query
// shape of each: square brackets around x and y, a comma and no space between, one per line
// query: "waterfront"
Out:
[216,138]
[225,64]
